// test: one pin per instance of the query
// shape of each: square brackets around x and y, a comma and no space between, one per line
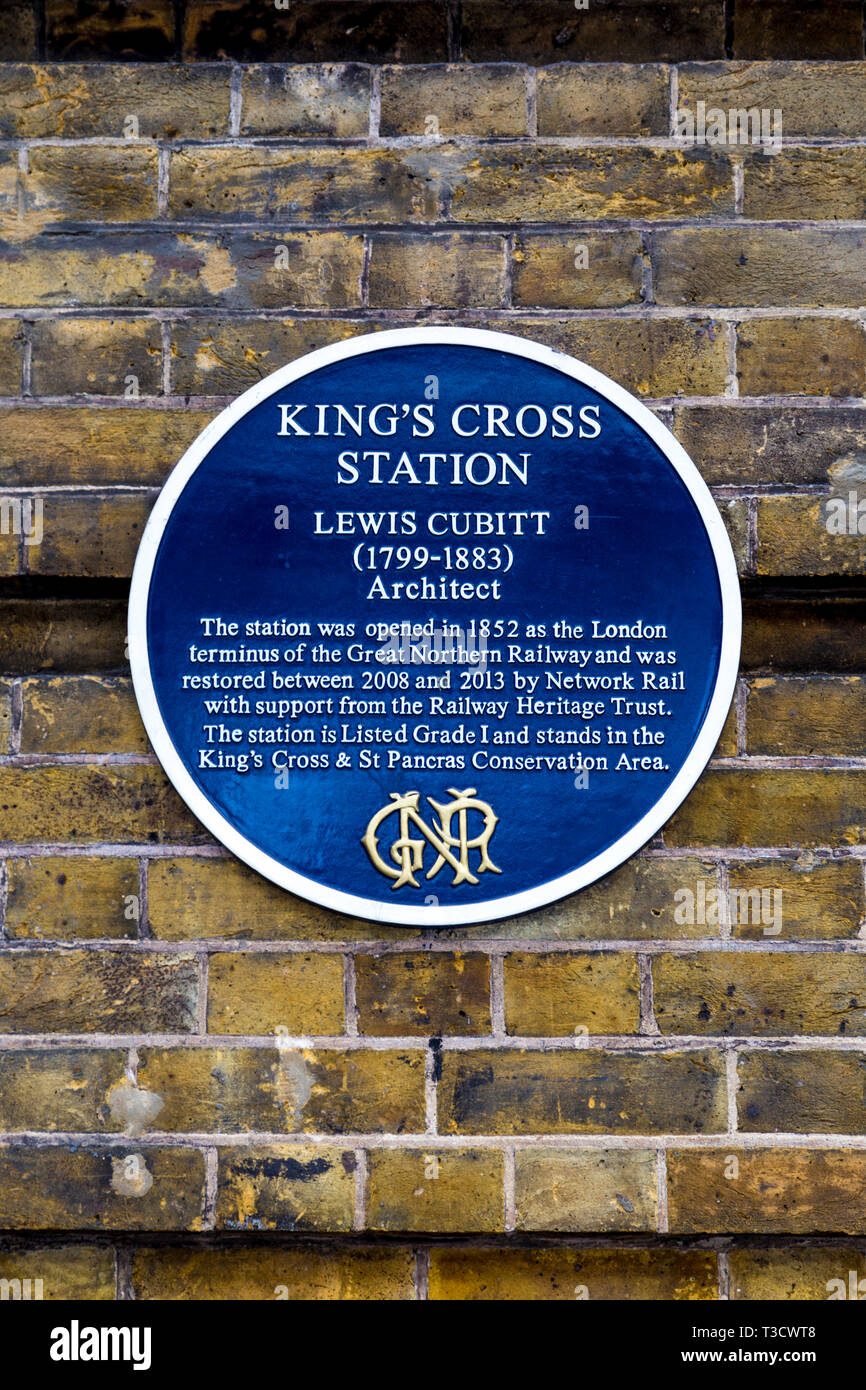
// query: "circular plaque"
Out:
[434,626]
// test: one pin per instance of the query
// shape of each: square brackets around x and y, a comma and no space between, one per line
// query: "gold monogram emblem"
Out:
[408,853]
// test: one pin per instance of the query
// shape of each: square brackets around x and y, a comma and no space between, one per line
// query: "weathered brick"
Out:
[635,903]
[761,444]
[784,1190]
[85,183]
[784,183]
[225,356]
[577,99]
[285,1188]
[547,183]
[19,37]
[56,1090]
[793,535]
[156,268]
[762,266]
[598,1275]
[262,183]
[797,1273]
[727,744]
[810,357]
[461,100]
[331,100]
[105,29]
[191,898]
[586,1190]
[77,444]
[10,550]
[823,716]
[808,1092]
[549,31]
[825,634]
[752,994]
[5,715]
[815,98]
[580,270]
[821,899]
[50,634]
[228,1091]
[75,897]
[580,1092]
[66,1271]
[80,714]
[786,807]
[11,352]
[435,1190]
[431,993]
[83,804]
[90,535]
[314,31]
[453,271]
[82,100]
[651,357]
[781,29]
[735,514]
[134,1189]
[100,357]
[97,992]
[256,994]
[557,994]
[267,1271]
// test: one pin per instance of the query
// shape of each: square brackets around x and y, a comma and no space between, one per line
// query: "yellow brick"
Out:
[557,994]
[101,183]
[77,444]
[11,351]
[89,535]
[118,1189]
[575,99]
[579,270]
[811,357]
[782,183]
[586,1190]
[62,899]
[81,714]
[766,808]
[257,994]
[286,1188]
[798,1273]
[66,1271]
[823,716]
[801,1092]
[295,1273]
[752,993]
[788,1191]
[816,98]
[97,992]
[82,804]
[548,1275]
[462,100]
[451,271]
[101,357]
[434,993]
[191,898]
[580,1091]
[435,1190]
[821,898]
[793,536]
[222,1090]
[300,99]
[75,99]
[57,1090]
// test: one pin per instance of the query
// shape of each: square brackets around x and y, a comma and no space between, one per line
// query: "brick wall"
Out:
[601,1099]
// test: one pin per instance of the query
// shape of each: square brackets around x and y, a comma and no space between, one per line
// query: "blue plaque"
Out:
[434,626]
